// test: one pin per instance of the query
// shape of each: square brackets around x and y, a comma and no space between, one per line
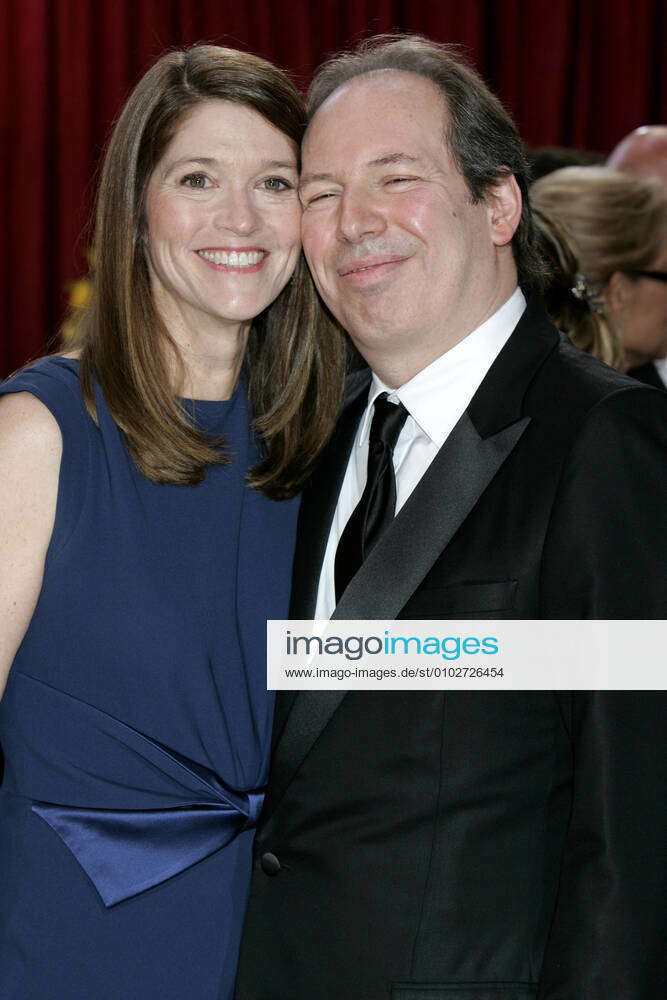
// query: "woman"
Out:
[142,548]
[606,236]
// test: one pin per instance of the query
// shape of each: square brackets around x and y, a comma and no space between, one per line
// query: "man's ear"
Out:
[504,203]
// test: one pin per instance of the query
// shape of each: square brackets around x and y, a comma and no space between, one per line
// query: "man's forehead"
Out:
[390,82]
[380,117]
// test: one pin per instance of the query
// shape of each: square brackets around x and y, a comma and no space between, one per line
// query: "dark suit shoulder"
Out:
[573,384]
[648,374]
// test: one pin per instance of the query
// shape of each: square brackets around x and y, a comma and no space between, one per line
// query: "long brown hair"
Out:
[296,353]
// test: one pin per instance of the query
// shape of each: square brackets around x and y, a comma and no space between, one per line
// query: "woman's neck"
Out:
[211,354]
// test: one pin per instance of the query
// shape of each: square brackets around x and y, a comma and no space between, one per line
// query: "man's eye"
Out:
[196,181]
[319,197]
[277,184]
[399,180]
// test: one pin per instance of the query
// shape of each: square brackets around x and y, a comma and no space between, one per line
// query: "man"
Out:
[644,153]
[430,845]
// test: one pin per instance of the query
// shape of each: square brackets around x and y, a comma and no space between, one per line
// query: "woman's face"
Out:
[223,217]
[641,310]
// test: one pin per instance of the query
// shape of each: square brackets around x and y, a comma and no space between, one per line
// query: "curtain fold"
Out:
[572,72]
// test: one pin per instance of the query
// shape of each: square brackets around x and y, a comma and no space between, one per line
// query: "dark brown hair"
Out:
[295,355]
[594,222]
[481,137]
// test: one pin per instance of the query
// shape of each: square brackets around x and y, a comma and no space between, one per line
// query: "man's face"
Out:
[397,250]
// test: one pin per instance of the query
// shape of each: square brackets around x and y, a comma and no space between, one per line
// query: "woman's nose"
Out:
[237,212]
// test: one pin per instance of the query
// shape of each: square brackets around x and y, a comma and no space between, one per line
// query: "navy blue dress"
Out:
[136,722]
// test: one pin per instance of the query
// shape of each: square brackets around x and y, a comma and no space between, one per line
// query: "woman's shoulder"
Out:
[61,368]
[46,437]
[43,403]
[53,380]
[27,425]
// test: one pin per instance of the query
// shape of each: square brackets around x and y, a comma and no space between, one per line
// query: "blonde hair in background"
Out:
[594,222]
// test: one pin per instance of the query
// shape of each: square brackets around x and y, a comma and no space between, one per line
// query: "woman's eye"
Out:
[277,184]
[196,181]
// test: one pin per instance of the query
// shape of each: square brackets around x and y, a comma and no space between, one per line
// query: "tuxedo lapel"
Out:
[309,715]
[450,488]
[463,468]
[472,455]
[315,516]
[319,502]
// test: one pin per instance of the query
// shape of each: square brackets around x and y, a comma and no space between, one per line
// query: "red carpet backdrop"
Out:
[572,73]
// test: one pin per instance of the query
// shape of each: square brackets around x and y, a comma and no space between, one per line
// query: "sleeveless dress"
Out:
[136,722]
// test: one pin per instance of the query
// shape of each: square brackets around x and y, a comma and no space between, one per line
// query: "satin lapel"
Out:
[450,488]
[319,500]
[318,505]
[467,462]
[443,499]
[475,450]
[310,714]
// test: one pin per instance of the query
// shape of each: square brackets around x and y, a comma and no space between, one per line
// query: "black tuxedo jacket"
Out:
[481,845]
[648,374]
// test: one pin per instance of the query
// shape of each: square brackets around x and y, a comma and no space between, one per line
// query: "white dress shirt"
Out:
[435,399]
[661,368]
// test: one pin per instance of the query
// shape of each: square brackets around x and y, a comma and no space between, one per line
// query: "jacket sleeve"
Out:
[609,932]
[606,557]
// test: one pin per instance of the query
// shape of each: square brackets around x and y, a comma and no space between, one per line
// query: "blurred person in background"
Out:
[605,234]
[543,160]
[147,519]
[643,153]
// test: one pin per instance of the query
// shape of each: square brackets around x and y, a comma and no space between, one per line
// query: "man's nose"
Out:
[236,212]
[360,216]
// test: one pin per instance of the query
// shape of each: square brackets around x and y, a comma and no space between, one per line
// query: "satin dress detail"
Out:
[136,722]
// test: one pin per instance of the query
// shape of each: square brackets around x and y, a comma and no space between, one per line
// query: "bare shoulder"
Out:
[30,453]
[27,427]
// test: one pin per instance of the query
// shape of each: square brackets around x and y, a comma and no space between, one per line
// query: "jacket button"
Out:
[270,864]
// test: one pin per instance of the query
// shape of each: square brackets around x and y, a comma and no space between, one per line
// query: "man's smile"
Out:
[369,266]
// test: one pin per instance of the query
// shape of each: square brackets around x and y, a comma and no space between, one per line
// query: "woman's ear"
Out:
[618,294]
[504,202]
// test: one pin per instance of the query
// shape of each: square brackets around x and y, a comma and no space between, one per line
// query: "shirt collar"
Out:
[455,375]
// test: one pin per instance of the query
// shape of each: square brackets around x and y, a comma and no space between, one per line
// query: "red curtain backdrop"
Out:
[572,73]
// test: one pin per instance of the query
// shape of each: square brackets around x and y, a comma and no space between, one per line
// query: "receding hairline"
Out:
[368,75]
[387,156]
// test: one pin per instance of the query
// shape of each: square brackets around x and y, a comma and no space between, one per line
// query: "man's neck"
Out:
[398,362]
